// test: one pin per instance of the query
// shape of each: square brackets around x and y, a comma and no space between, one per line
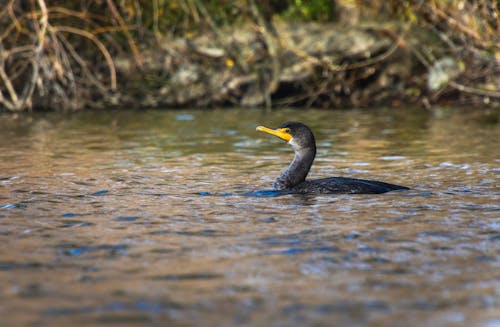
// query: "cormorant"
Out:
[293,179]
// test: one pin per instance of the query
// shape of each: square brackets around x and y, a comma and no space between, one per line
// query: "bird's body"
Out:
[343,185]
[293,179]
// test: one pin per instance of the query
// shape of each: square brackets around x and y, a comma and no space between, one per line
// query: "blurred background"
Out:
[70,55]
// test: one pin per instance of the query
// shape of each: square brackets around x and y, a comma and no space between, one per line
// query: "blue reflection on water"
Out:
[258,194]
[100,192]
[296,250]
[79,250]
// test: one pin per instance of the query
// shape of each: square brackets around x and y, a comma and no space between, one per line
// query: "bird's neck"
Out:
[297,172]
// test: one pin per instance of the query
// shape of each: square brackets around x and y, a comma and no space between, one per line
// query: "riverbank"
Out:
[318,65]
[263,60]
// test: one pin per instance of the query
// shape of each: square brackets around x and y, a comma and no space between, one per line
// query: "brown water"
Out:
[134,218]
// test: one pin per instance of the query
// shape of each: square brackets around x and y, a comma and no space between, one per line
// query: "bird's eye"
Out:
[287,130]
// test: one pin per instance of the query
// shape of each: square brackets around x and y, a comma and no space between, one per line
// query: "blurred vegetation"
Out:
[61,54]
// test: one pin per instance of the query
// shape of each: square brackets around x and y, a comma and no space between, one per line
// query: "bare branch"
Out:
[130,40]
[74,54]
[99,44]
[273,48]
[14,101]
[475,91]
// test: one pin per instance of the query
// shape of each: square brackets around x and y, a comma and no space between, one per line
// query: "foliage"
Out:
[470,34]
[65,51]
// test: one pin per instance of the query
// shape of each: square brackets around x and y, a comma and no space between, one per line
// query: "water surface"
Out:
[129,217]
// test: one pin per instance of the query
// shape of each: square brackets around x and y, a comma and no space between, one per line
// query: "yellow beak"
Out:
[280,132]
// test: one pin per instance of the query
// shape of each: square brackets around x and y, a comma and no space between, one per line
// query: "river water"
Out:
[130,218]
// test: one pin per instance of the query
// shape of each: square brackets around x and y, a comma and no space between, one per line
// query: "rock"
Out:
[313,59]
[443,71]
[187,75]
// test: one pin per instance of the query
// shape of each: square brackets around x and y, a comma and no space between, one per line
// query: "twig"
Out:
[473,90]
[273,49]
[15,22]
[61,62]
[156,30]
[107,29]
[194,12]
[30,87]
[454,23]
[130,40]
[74,54]
[6,8]
[17,102]
[85,16]
[13,15]
[99,44]
[8,85]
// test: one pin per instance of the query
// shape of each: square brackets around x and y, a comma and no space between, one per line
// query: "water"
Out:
[131,218]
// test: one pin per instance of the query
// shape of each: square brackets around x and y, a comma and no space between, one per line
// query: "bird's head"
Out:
[298,135]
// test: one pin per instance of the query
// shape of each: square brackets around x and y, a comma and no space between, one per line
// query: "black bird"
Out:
[293,179]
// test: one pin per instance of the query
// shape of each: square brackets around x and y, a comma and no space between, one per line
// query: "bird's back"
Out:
[344,185]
